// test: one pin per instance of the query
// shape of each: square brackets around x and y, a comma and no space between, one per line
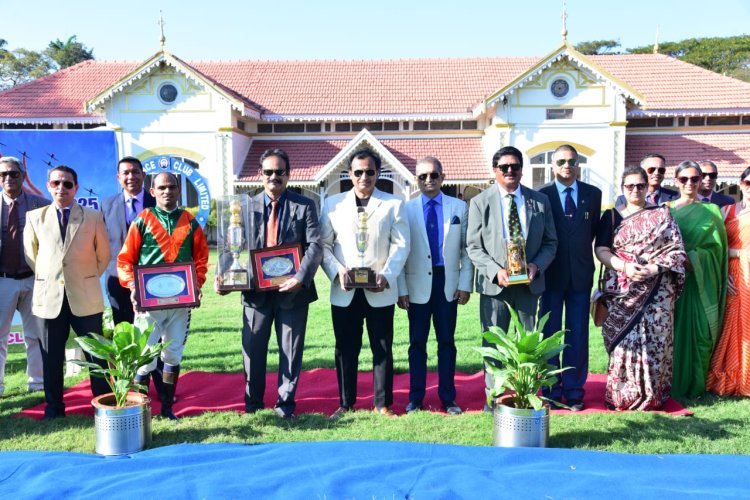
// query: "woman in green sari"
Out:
[699,309]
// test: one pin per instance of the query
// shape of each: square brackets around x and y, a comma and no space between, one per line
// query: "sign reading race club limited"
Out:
[156,164]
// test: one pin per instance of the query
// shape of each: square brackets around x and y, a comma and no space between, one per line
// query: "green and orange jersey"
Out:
[157,236]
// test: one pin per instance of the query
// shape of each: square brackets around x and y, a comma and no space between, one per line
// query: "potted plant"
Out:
[518,361]
[122,417]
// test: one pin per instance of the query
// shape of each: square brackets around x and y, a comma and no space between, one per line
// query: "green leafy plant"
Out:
[518,361]
[124,353]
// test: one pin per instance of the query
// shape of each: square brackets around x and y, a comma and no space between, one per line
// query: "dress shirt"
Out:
[138,206]
[267,211]
[563,195]
[438,259]
[21,208]
[505,206]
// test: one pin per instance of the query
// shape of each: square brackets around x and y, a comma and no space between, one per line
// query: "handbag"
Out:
[599,308]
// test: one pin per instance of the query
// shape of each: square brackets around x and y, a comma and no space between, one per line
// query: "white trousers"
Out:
[169,325]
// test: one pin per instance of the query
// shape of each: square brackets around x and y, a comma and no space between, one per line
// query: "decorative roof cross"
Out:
[564,17]
[162,38]
[656,42]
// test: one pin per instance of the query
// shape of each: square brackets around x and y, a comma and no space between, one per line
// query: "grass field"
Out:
[720,425]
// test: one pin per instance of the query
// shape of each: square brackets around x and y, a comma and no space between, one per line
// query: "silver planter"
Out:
[125,430]
[520,427]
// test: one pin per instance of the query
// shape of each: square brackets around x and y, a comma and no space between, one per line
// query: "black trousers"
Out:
[54,336]
[119,299]
[347,328]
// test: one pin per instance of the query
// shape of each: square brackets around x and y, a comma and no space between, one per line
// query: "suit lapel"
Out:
[119,214]
[75,219]
[583,204]
[373,204]
[417,207]
[528,204]
[256,212]
[287,216]
[447,216]
[496,214]
[52,225]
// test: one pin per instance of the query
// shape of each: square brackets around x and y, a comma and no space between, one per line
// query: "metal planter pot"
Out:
[520,427]
[122,431]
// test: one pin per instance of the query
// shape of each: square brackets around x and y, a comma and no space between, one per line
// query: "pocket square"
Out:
[455,220]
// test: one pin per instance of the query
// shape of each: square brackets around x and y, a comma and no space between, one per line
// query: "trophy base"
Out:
[518,279]
[235,280]
[361,277]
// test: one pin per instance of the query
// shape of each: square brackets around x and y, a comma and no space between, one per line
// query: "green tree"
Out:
[69,52]
[594,47]
[22,65]
[729,55]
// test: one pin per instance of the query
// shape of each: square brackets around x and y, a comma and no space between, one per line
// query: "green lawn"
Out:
[720,425]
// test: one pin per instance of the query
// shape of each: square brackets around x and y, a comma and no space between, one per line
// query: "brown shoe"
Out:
[340,412]
[385,411]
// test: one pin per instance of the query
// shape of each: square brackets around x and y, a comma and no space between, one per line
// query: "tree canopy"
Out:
[69,52]
[594,47]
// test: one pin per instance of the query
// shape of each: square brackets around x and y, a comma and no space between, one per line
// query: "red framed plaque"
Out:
[166,286]
[273,266]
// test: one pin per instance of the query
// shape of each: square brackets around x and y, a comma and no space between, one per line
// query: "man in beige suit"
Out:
[66,246]
[386,253]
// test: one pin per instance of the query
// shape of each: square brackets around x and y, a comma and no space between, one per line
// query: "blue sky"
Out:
[335,29]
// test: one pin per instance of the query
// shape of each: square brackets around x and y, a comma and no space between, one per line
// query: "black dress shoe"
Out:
[53,415]
[340,412]
[413,406]
[451,408]
[284,414]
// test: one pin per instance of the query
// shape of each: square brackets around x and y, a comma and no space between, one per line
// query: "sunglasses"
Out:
[280,172]
[66,184]
[745,183]
[695,179]
[640,186]
[571,162]
[431,175]
[13,174]
[661,170]
[512,166]
[369,173]
[711,175]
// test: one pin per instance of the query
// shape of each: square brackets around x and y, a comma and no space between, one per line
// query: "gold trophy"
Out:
[361,276]
[516,261]
[235,276]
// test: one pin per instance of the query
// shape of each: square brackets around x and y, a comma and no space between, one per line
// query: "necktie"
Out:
[432,231]
[132,210]
[12,246]
[651,198]
[64,216]
[272,228]
[514,223]
[570,206]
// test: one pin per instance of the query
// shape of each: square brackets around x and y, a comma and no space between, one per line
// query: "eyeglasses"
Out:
[431,175]
[661,170]
[13,174]
[370,172]
[695,179]
[505,166]
[745,183]
[66,184]
[280,172]
[710,175]
[571,162]
[640,186]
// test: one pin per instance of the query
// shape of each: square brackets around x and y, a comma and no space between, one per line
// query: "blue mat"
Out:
[369,469]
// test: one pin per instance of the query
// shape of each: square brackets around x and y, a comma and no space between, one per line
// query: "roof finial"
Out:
[564,17]
[656,43]
[162,38]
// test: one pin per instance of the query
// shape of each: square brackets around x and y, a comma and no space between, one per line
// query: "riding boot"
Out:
[157,374]
[143,380]
[171,374]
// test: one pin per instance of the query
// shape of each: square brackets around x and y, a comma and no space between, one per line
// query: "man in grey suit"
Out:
[119,211]
[655,166]
[509,210]
[279,217]
[16,277]
[706,189]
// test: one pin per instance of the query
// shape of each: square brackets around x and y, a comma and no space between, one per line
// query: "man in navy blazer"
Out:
[656,167]
[706,189]
[576,208]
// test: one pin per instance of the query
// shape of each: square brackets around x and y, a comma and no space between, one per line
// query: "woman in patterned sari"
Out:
[698,311]
[641,246]
[730,364]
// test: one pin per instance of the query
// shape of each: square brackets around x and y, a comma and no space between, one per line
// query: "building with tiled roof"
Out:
[218,117]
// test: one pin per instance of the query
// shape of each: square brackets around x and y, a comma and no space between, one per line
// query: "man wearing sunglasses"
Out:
[655,166]
[386,252]
[708,184]
[67,247]
[576,207]
[436,279]
[16,277]
[506,211]
[280,217]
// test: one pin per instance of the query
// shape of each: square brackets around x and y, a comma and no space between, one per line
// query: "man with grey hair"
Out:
[16,277]
[708,184]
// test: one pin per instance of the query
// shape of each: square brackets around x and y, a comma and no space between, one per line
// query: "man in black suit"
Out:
[279,217]
[655,166]
[119,211]
[706,189]
[576,208]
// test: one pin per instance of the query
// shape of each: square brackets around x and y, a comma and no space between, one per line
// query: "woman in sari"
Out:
[699,308]
[641,246]
[730,364]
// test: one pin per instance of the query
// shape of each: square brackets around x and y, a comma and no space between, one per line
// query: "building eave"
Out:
[269,117]
[50,120]
[666,113]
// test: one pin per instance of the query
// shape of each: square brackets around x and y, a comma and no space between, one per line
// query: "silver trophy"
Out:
[362,276]
[233,215]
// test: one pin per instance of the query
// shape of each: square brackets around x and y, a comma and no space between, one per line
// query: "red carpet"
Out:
[199,392]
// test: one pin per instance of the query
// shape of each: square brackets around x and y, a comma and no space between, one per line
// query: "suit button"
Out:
[429,256]
[62,282]
[429,273]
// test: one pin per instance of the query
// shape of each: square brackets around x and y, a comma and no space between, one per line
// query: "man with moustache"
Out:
[67,247]
[568,280]
[164,233]
[655,166]
[16,277]
[280,217]
[509,211]
[436,279]
[386,252]
[708,184]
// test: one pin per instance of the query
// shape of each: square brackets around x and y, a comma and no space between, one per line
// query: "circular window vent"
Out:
[167,93]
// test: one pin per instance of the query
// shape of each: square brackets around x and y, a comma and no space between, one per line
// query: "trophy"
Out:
[515,264]
[232,243]
[361,276]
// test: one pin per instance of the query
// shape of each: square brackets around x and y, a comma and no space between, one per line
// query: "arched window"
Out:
[541,169]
